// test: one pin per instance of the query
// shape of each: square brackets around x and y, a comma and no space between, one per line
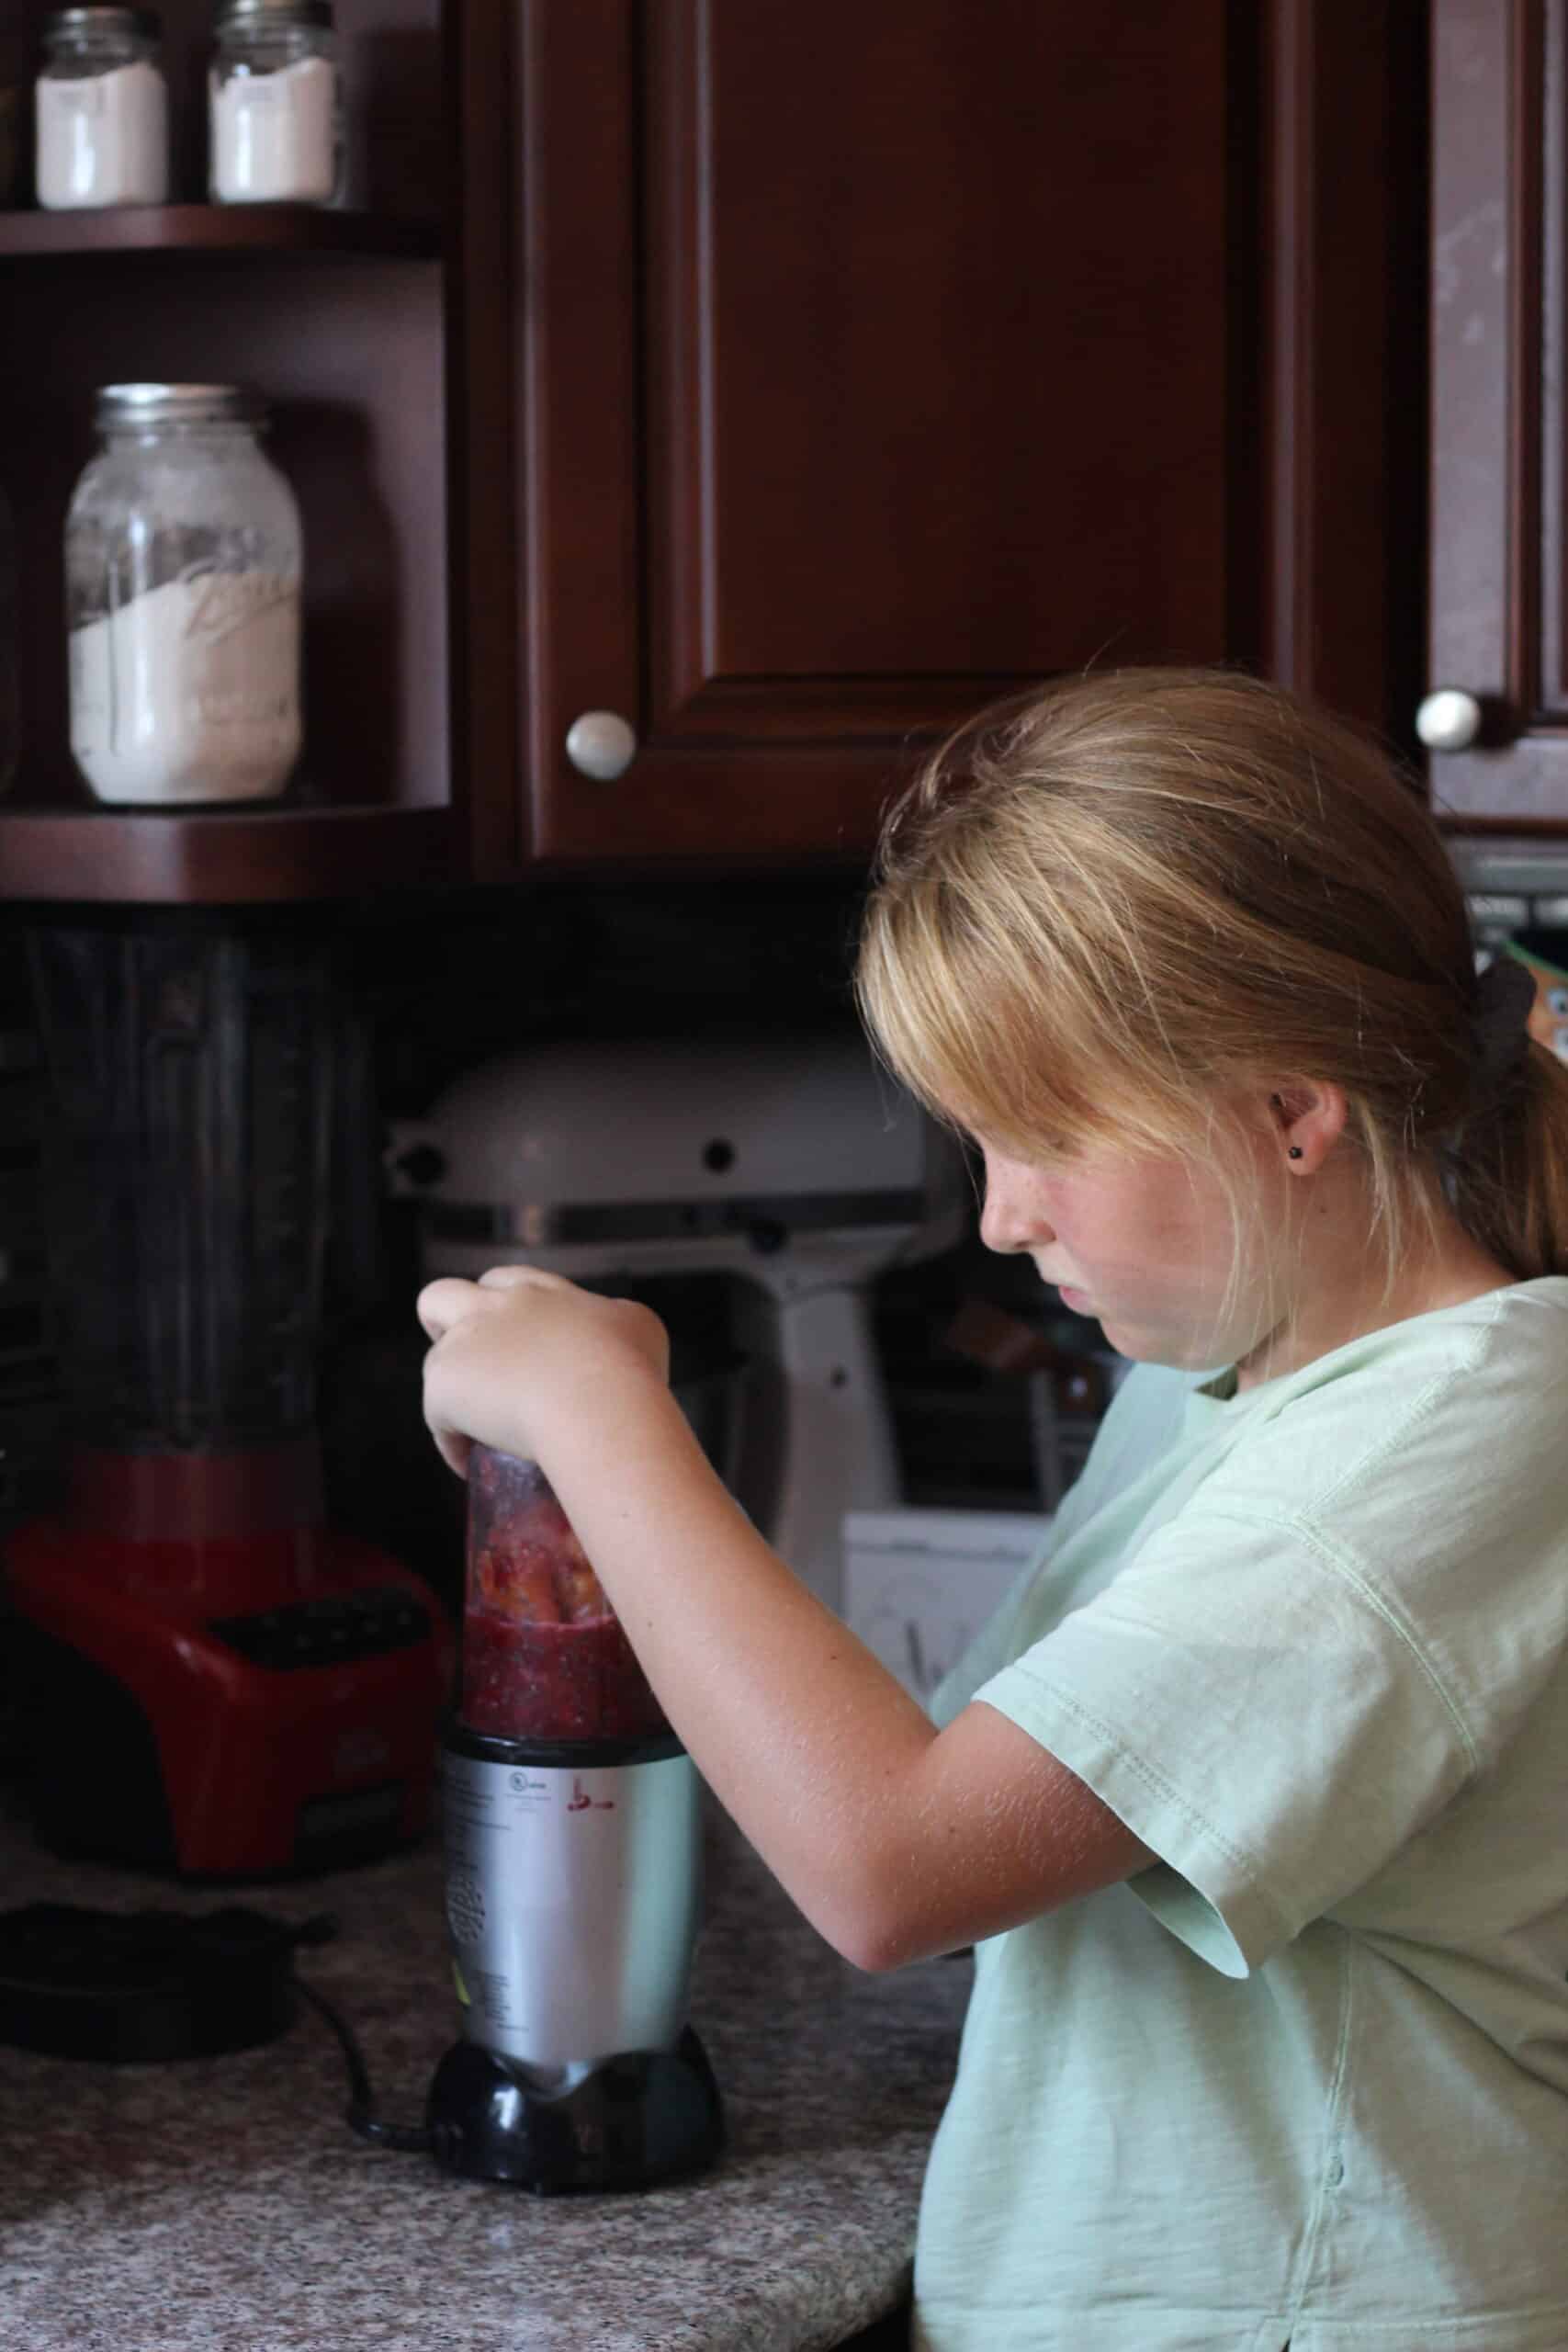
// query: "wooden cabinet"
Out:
[878,364]
[881,361]
[786,381]
[1498,629]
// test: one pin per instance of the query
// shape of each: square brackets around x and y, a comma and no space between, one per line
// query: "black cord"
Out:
[411,2136]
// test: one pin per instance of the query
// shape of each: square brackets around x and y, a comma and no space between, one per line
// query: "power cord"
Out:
[359,2113]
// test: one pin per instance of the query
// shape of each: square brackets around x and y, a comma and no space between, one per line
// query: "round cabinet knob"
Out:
[600,744]
[1448,719]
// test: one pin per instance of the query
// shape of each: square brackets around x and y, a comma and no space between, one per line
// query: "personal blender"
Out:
[573,1866]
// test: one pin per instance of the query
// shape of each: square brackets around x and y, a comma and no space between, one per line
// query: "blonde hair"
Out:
[1103,907]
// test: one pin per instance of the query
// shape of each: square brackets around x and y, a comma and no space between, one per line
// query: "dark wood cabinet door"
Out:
[874,363]
[1496,716]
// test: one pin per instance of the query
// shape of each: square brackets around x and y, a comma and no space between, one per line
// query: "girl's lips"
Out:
[1073,1298]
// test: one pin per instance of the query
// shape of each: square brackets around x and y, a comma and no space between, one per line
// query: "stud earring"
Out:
[1294,1152]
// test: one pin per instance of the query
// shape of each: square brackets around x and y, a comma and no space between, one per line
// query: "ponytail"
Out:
[1506,1170]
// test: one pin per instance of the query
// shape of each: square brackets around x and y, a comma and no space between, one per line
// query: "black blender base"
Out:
[647,2117]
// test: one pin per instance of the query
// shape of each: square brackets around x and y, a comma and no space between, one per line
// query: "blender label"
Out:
[465,1905]
[492,1995]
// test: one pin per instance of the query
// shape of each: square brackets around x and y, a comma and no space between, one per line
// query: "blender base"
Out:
[651,2115]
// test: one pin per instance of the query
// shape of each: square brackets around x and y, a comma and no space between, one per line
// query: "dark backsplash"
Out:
[441,987]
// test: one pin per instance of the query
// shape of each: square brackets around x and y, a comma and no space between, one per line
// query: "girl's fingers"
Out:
[454,1450]
[452,1379]
[442,1304]
[452,1299]
[521,1277]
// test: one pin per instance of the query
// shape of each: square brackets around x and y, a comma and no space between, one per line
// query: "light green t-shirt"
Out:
[1305,2080]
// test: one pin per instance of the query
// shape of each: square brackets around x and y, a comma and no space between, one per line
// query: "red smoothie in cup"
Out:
[544,1653]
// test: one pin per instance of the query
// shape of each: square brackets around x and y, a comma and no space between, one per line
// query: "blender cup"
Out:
[573,1859]
[545,1657]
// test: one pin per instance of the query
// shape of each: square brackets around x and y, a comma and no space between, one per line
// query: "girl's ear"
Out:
[1307,1117]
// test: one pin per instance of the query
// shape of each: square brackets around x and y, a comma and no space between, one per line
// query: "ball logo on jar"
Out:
[225,601]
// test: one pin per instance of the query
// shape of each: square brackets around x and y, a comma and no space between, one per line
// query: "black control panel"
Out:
[333,1629]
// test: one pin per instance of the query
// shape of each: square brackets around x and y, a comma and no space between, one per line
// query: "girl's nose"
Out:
[1009,1222]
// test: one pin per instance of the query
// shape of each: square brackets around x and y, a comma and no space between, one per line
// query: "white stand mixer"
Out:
[796,1164]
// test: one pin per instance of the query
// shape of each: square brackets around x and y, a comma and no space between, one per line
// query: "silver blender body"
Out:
[572,1895]
[573,1901]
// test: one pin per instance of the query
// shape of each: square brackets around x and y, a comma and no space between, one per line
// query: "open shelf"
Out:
[233,856]
[390,389]
[217,229]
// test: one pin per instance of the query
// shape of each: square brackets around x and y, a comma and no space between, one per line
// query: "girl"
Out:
[1252,1796]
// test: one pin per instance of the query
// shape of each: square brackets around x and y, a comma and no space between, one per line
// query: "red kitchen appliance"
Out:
[208,1678]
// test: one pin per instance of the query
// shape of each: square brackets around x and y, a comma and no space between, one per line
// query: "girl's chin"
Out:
[1142,1346]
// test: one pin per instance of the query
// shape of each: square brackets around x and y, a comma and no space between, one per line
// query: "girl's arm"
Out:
[895,1840]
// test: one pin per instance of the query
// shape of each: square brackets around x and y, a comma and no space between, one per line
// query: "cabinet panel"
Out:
[904,357]
[866,379]
[1499,589]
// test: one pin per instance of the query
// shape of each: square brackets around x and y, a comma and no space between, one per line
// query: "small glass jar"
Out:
[275,104]
[102,111]
[183,563]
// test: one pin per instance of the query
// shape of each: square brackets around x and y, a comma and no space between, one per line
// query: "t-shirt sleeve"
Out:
[1139,1424]
[1259,1714]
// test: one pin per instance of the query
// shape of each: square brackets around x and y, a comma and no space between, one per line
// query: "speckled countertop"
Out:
[222,2205]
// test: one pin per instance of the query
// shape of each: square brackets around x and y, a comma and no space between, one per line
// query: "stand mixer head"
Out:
[793,1165]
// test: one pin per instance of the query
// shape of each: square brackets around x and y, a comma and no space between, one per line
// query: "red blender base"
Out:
[212,1681]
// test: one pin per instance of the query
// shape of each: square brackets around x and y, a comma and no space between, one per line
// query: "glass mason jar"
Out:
[102,110]
[183,561]
[275,104]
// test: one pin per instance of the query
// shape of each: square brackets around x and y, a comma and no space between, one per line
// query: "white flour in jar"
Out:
[190,692]
[103,138]
[274,135]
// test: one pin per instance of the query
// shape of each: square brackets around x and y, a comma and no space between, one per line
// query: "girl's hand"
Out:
[514,1351]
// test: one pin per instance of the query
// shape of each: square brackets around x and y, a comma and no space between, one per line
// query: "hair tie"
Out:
[1499,1031]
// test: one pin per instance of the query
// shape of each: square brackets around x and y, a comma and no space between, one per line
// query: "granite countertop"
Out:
[224,2203]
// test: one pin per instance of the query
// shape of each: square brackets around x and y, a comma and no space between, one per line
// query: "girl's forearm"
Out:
[805,1738]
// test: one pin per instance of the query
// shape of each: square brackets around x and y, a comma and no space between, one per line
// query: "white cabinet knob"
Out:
[1448,719]
[600,744]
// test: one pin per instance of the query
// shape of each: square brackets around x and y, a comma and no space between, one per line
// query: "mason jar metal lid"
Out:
[260,15]
[123,405]
[140,24]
